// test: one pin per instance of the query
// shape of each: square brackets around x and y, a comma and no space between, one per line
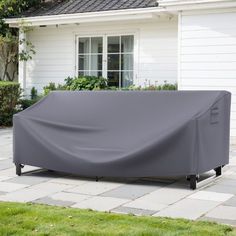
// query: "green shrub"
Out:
[34,93]
[26,103]
[86,83]
[53,87]
[34,97]
[167,86]
[9,99]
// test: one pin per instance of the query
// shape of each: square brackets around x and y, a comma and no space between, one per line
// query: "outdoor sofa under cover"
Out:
[126,134]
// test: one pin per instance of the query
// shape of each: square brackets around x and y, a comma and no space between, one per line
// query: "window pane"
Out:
[113,44]
[113,62]
[96,45]
[126,79]
[113,79]
[96,73]
[127,43]
[83,73]
[83,45]
[83,62]
[127,62]
[96,62]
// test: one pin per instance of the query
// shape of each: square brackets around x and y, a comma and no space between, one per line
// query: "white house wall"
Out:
[155,50]
[207,53]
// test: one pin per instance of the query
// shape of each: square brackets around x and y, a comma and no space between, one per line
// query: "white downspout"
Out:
[22,64]
[179,50]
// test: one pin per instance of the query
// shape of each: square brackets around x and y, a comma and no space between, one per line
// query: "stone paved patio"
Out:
[215,201]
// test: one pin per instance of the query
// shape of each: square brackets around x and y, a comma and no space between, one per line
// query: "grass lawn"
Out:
[30,219]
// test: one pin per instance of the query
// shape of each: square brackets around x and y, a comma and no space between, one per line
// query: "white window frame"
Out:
[105,36]
[89,54]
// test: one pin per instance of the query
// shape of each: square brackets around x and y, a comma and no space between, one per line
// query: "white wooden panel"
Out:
[209,82]
[230,57]
[210,66]
[208,50]
[208,33]
[209,21]
[204,41]
[218,76]
[208,54]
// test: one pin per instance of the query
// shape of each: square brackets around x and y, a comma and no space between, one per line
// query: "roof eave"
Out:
[128,14]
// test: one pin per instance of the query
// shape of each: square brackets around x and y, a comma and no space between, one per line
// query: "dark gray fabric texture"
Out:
[125,134]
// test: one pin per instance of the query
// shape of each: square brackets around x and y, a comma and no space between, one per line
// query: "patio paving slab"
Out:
[162,196]
[188,209]
[225,181]
[94,188]
[29,180]
[53,202]
[34,178]
[98,203]
[5,164]
[223,212]
[70,180]
[134,211]
[8,172]
[6,150]
[72,197]
[3,178]
[135,190]
[211,196]
[231,202]
[220,188]
[145,204]
[11,187]
[229,174]
[34,192]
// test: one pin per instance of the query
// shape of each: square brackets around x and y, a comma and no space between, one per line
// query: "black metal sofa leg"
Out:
[193,181]
[18,169]
[218,171]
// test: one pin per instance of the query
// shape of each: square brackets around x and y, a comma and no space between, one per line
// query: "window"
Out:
[90,56]
[108,56]
[120,55]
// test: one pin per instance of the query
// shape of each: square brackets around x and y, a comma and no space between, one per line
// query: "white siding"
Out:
[207,53]
[155,51]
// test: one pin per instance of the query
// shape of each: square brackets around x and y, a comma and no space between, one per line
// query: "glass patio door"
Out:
[109,56]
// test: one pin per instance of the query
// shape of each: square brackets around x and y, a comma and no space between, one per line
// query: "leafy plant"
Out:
[53,87]
[26,103]
[34,93]
[9,8]
[86,83]
[167,86]
[10,97]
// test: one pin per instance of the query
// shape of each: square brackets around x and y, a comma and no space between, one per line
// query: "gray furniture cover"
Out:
[125,134]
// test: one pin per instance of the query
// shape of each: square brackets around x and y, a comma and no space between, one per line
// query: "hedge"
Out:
[9,99]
